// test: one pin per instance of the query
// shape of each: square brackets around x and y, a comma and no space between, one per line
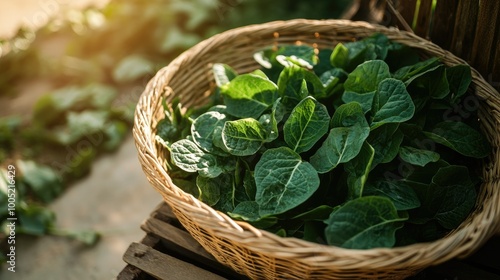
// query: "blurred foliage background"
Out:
[92,66]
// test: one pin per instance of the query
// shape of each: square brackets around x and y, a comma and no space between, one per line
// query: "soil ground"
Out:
[113,199]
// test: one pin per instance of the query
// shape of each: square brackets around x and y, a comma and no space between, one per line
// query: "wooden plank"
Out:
[179,237]
[407,9]
[164,213]
[174,242]
[178,242]
[465,26]
[164,266]
[485,35]
[130,272]
[424,18]
[443,21]
[150,240]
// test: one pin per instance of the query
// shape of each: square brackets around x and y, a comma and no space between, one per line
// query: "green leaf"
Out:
[348,115]
[448,199]
[364,99]
[437,83]
[8,126]
[386,140]
[35,219]
[332,81]
[300,55]
[391,103]
[400,55]
[87,237]
[357,171]
[352,54]
[364,223]
[359,52]
[314,231]
[293,86]
[209,189]
[341,145]
[176,39]
[381,44]
[188,185]
[459,196]
[203,129]
[249,95]
[433,80]
[4,193]
[271,121]
[283,181]
[227,188]
[176,124]
[249,184]
[345,140]
[115,132]
[319,213]
[186,155]
[323,64]
[340,56]
[399,192]
[407,72]
[223,74]
[79,125]
[307,123]
[461,138]
[45,183]
[243,137]
[459,77]
[131,68]
[423,174]
[249,211]
[367,76]
[417,156]
[51,108]
[246,211]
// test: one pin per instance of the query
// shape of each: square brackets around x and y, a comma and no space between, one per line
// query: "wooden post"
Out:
[483,49]
[424,18]
[443,23]
[407,9]
[470,29]
[465,26]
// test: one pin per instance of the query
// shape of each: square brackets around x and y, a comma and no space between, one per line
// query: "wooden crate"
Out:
[167,251]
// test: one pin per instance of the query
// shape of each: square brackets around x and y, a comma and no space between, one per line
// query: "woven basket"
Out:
[260,254]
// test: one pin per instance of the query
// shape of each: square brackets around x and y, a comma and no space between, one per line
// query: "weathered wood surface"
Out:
[169,252]
[469,29]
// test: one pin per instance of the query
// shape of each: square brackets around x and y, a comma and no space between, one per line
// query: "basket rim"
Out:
[239,230]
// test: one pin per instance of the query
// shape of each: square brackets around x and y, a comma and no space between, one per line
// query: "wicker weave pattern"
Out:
[259,254]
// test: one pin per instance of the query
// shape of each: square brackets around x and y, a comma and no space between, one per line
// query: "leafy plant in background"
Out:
[358,147]
[233,13]
[107,55]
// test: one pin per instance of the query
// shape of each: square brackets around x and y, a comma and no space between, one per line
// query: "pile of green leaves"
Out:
[362,146]
[32,192]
